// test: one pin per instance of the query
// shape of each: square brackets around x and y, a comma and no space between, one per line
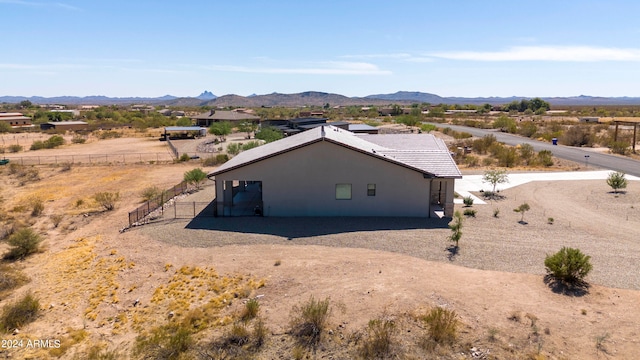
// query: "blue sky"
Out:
[356,48]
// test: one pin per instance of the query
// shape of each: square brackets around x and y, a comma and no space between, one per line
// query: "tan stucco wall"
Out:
[302,183]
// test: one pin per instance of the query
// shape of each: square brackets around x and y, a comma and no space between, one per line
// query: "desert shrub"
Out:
[37,206]
[527,153]
[471,161]
[56,219]
[250,145]
[150,192]
[425,127]
[234,148]
[619,147]
[238,335]
[469,213]
[54,142]
[78,140]
[310,319]
[545,157]
[103,135]
[23,242]
[14,148]
[66,166]
[505,124]
[195,177]
[164,342]
[442,325]
[381,333]
[98,353]
[19,313]
[184,157]
[569,266]
[260,332]
[37,145]
[527,128]
[577,135]
[468,201]
[107,200]
[10,278]
[616,180]
[215,160]
[507,157]
[496,213]
[250,311]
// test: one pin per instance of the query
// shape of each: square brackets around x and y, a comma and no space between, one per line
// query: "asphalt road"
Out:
[592,158]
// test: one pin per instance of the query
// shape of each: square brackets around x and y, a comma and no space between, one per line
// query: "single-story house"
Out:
[65,125]
[15,119]
[183,132]
[328,171]
[212,116]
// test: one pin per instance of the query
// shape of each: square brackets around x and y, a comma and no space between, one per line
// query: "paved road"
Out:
[605,161]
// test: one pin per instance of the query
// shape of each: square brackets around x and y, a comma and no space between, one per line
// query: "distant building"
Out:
[15,119]
[75,113]
[65,125]
[213,116]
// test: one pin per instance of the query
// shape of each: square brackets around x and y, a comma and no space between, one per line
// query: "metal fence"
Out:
[189,210]
[138,215]
[172,147]
[129,158]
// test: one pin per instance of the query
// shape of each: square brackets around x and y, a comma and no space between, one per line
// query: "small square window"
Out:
[371,189]
[343,191]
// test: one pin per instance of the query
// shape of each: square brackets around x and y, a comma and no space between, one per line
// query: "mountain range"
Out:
[314,98]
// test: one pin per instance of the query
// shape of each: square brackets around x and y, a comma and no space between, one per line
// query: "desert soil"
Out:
[90,274]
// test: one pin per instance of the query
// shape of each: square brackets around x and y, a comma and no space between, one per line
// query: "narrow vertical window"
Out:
[343,191]
[371,189]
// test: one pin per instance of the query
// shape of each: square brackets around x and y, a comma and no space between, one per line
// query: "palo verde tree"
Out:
[617,181]
[222,129]
[195,177]
[495,177]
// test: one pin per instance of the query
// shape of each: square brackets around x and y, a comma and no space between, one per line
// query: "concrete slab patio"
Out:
[474,183]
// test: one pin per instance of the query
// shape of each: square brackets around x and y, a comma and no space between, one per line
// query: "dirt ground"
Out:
[93,280]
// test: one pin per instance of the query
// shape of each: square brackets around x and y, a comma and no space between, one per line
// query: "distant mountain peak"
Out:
[206,95]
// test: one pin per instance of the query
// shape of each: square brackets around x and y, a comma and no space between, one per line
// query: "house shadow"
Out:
[302,227]
[560,287]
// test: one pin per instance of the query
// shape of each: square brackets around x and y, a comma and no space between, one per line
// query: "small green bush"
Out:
[78,140]
[19,313]
[310,319]
[10,278]
[442,325]
[569,266]
[617,181]
[468,201]
[184,158]
[37,145]
[150,192]
[165,342]
[470,213]
[195,177]
[234,148]
[14,148]
[37,206]
[23,242]
[215,160]
[251,309]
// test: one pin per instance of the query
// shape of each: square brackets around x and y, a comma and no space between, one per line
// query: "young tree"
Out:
[195,177]
[495,177]
[523,208]
[247,127]
[617,181]
[221,129]
[107,199]
[456,228]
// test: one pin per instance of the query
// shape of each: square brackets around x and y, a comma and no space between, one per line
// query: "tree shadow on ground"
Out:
[619,192]
[578,289]
[302,227]
[522,222]
[453,251]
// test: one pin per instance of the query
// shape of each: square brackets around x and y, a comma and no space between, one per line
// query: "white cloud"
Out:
[323,68]
[405,57]
[546,53]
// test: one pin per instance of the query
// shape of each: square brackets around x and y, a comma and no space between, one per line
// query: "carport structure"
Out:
[627,121]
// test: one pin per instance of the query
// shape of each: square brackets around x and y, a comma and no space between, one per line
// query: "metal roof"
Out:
[434,161]
[58,123]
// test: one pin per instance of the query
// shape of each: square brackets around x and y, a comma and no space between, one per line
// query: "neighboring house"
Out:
[15,119]
[298,125]
[212,116]
[65,125]
[327,171]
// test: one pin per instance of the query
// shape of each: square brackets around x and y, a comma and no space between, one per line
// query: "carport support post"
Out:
[220,197]
[634,136]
